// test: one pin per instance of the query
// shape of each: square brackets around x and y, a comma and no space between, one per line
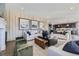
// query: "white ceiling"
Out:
[49,10]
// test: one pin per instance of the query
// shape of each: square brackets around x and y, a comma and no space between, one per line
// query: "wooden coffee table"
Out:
[41,42]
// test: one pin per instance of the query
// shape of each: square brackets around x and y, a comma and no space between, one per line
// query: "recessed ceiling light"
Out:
[71,8]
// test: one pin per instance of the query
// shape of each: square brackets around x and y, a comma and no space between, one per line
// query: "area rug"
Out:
[28,51]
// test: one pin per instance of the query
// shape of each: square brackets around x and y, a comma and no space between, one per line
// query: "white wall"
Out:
[2,9]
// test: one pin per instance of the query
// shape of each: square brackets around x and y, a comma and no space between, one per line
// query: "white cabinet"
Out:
[2,39]
[2,34]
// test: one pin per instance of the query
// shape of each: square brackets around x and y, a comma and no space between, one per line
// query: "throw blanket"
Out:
[72,47]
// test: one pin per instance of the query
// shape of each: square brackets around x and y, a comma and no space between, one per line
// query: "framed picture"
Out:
[23,23]
[34,24]
[41,24]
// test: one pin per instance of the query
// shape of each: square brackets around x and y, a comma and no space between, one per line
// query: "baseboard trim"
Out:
[11,41]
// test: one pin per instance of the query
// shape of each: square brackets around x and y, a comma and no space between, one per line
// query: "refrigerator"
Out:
[2,34]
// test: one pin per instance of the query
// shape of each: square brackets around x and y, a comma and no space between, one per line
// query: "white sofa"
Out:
[62,40]
[57,49]
[54,51]
[34,34]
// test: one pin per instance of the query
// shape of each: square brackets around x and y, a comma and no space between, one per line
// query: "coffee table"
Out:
[41,42]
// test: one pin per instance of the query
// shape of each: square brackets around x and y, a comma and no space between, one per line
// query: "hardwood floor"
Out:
[9,49]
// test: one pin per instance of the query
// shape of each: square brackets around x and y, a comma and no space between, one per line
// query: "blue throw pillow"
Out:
[28,33]
[72,47]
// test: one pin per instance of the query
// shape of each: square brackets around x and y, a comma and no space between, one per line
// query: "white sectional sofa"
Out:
[56,51]
[34,34]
